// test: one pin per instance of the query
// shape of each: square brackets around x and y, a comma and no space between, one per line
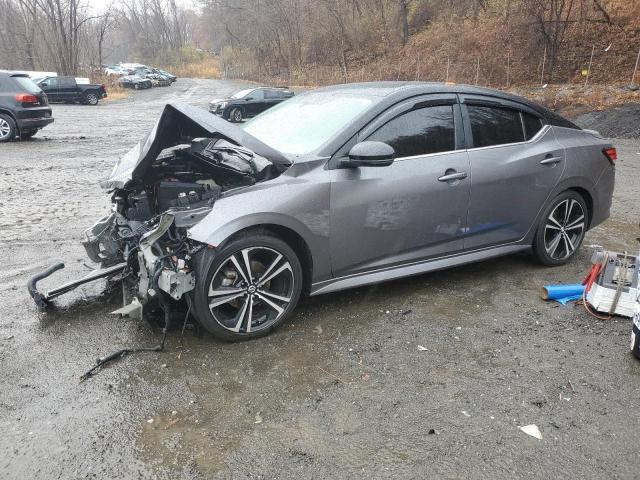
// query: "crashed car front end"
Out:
[160,189]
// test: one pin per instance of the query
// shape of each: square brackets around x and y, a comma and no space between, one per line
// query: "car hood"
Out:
[180,123]
[219,100]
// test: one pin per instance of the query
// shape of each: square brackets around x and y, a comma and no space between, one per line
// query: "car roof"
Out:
[409,89]
[8,73]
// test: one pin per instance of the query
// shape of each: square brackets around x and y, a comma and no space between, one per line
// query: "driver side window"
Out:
[256,95]
[419,132]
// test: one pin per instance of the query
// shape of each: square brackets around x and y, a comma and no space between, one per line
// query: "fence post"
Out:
[446,78]
[633,77]
[508,66]
[418,70]
[477,70]
[544,59]
[586,80]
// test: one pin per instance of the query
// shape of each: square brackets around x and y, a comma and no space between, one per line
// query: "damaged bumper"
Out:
[160,189]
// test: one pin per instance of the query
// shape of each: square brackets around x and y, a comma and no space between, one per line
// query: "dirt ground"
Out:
[341,391]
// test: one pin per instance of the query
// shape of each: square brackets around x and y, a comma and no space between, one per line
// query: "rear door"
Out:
[412,210]
[272,96]
[68,90]
[515,163]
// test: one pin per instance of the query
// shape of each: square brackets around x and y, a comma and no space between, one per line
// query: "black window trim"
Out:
[478,100]
[415,103]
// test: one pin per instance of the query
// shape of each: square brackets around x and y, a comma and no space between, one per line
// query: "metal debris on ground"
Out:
[532,430]
[612,283]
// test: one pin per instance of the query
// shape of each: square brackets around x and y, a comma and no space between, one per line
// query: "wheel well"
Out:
[13,117]
[8,112]
[291,238]
[588,200]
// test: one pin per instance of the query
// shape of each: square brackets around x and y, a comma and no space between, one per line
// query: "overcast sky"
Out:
[98,6]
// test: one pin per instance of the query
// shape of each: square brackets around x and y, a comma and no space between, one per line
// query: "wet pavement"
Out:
[341,391]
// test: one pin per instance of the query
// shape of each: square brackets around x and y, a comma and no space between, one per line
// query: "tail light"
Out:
[611,154]
[27,99]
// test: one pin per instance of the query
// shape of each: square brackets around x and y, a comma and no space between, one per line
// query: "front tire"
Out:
[235,115]
[7,128]
[247,288]
[561,229]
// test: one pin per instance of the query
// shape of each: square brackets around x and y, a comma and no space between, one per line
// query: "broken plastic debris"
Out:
[258,418]
[421,348]
[318,330]
[532,430]
[465,413]
[150,420]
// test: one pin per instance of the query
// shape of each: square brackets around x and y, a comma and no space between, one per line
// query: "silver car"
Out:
[337,188]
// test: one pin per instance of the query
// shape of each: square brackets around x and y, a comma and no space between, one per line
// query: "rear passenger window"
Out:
[532,125]
[419,132]
[494,125]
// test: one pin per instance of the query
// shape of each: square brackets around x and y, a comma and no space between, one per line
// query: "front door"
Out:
[255,101]
[412,210]
[516,162]
[50,87]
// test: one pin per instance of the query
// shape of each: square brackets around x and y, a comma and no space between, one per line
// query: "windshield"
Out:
[303,123]
[27,84]
[242,93]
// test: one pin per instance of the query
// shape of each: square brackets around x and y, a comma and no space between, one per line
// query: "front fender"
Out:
[299,204]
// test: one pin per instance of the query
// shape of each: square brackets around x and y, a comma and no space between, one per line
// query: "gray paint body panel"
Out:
[370,224]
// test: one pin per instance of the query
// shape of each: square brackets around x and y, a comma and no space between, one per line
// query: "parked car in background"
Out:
[68,90]
[170,76]
[135,82]
[24,108]
[117,70]
[158,80]
[248,103]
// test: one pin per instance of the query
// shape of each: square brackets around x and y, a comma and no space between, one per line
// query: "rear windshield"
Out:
[27,84]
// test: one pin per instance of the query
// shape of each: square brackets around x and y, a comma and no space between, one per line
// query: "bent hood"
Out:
[179,123]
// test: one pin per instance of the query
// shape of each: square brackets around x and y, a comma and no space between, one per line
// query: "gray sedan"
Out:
[342,187]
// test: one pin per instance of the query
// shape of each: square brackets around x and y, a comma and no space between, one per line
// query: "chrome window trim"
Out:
[412,157]
[535,138]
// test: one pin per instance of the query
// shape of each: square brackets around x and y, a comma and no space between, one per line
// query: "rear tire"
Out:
[7,128]
[91,98]
[561,229]
[247,288]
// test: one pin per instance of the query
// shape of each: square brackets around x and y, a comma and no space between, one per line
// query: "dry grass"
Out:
[208,67]
[114,90]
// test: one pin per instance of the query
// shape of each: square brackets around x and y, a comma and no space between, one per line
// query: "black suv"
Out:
[24,108]
[248,103]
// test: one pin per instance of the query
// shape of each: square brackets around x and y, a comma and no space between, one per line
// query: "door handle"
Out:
[451,175]
[550,160]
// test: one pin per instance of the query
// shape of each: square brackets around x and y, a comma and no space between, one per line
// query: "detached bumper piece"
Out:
[43,299]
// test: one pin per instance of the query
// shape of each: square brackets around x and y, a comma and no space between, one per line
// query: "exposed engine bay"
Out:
[162,187]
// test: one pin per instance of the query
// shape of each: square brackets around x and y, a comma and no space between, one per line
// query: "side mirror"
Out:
[370,154]
[248,99]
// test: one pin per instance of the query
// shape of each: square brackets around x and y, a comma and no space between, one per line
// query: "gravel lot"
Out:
[341,391]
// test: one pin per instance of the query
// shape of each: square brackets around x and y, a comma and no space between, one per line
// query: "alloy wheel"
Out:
[251,289]
[92,99]
[5,129]
[564,229]
[237,115]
